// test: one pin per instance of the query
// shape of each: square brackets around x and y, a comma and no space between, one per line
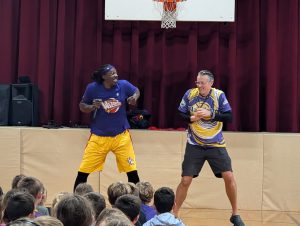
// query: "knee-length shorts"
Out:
[98,147]
[196,155]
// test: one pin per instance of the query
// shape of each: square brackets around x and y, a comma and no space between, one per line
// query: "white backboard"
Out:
[189,10]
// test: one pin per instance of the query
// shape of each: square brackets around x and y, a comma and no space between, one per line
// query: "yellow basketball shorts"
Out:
[98,147]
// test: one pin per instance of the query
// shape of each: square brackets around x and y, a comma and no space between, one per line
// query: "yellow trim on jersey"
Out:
[222,144]
[193,93]
[204,130]
[206,133]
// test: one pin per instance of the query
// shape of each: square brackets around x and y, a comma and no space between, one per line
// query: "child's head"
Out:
[74,210]
[134,189]
[34,186]
[97,201]
[164,199]
[130,205]
[47,221]
[20,204]
[116,190]
[8,195]
[112,217]
[16,180]
[56,200]
[5,199]
[83,188]
[146,191]
[24,221]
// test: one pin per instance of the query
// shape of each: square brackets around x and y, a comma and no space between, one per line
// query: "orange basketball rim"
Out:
[168,12]
[169,5]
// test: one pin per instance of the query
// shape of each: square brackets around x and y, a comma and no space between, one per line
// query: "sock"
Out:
[81,178]
[133,176]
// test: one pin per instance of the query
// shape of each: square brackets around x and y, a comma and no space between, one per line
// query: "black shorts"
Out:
[195,156]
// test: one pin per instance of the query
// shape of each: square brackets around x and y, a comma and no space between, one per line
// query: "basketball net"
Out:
[169,12]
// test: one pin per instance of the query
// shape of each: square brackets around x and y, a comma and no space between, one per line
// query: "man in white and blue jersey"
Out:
[205,109]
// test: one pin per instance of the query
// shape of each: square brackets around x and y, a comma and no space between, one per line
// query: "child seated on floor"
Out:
[164,200]
[146,192]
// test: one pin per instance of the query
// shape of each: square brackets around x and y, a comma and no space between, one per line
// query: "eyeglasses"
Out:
[201,83]
[22,221]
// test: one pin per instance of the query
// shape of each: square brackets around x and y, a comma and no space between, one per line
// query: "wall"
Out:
[265,165]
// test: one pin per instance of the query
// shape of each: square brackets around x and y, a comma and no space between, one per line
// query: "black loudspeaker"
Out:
[24,105]
[4,104]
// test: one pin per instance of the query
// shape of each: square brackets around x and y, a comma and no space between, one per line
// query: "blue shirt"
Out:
[164,219]
[149,211]
[110,119]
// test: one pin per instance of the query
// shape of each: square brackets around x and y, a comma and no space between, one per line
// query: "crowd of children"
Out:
[129,204]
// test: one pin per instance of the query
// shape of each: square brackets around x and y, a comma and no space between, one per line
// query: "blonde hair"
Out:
[56,200]
[115,190]
[83,188]
[146,191]
[112,217]
[48,221]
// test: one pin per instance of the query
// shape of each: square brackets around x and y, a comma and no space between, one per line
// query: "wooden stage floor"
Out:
[211,217]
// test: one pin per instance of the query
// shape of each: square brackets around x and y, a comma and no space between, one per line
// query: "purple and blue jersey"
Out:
[110,119]
[206,132]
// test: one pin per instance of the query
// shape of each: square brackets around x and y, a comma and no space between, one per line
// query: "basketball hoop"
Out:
[169,13]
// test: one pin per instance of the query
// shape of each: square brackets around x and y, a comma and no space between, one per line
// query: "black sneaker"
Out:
[236,220]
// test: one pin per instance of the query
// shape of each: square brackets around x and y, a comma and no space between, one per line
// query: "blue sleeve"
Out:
[183,106]
[87,97]
[129,88]
[223,104]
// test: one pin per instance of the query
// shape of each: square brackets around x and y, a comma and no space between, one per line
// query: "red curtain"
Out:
[58,43]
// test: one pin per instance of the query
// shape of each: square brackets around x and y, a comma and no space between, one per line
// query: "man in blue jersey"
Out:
[106,99]
[205,109]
